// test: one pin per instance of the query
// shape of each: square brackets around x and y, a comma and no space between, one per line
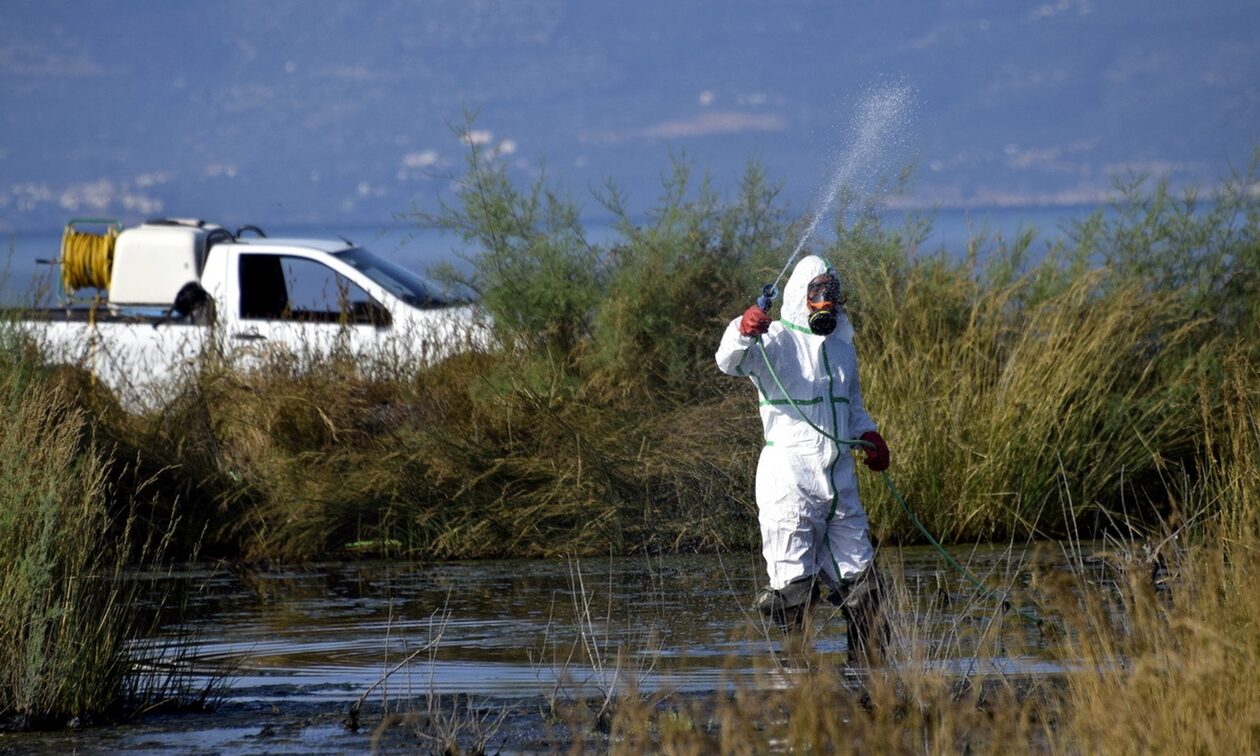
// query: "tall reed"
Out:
[1176,668]
[70,615]
[600,423]
[1162,656]
[994,406]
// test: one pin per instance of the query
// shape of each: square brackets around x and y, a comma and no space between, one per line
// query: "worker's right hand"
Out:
[755,322]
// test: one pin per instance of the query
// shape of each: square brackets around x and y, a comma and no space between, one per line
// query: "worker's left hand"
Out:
[877,458]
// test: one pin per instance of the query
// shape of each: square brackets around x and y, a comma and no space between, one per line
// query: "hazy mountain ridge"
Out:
[310,112]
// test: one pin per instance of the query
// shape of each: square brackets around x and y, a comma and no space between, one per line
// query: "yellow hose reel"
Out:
[87,258]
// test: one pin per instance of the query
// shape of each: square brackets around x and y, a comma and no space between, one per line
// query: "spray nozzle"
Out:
[768,294]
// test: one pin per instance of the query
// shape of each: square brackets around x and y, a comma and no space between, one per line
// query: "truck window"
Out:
[263,293]
[399,281]
[283,287]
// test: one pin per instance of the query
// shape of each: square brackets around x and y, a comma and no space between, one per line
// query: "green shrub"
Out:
[601,423]
[534,271]
[678,279]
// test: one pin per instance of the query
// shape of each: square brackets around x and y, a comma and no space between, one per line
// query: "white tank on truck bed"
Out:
[154,260]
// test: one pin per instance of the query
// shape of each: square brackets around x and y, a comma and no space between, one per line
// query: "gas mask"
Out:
[822,298]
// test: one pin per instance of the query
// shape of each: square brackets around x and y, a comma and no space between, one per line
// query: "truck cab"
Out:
[312,292]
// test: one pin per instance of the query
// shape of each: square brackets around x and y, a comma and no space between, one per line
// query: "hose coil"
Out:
[87,258]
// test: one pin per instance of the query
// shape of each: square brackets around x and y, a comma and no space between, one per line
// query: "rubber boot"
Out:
[789,607]
[861,603]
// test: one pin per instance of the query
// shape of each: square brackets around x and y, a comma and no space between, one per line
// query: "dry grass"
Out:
[70,615]
[62,620]
[1164,658]
[1177,668]
[1000,388]
[1167,669]
[992,408]
[1042,401]
[990,415]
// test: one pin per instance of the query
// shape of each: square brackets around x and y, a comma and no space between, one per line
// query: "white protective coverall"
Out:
[807,498]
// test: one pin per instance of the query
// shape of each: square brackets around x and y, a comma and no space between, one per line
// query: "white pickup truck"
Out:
[176,287]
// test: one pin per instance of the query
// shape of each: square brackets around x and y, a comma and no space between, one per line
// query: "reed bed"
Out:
[56,587]
[1162,656]
[1177,669]
[993,417]
[598,423]
[1106,389]
[71,615]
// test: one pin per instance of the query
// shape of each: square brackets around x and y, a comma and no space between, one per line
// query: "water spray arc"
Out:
[881,117]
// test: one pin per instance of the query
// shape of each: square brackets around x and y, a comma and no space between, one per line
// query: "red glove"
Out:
[755,322]
[877,458]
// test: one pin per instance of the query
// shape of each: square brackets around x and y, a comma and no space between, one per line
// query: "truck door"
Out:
[302,306]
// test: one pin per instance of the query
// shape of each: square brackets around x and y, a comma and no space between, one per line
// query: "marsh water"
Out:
[305,643]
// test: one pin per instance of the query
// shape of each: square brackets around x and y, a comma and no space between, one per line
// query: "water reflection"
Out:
[524,628]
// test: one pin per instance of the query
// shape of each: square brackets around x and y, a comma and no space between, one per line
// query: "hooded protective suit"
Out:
[811,520]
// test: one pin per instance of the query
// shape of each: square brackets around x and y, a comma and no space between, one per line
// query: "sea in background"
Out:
[24,280]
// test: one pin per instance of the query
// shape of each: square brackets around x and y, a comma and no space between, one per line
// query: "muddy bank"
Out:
[277,726]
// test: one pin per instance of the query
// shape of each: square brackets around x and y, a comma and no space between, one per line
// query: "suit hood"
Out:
[795,312]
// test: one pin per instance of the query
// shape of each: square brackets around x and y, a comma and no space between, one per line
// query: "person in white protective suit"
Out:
[813,528]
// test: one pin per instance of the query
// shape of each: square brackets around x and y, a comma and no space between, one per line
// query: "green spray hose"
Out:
[971,578]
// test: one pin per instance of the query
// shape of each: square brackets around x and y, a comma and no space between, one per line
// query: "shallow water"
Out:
[311,640]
